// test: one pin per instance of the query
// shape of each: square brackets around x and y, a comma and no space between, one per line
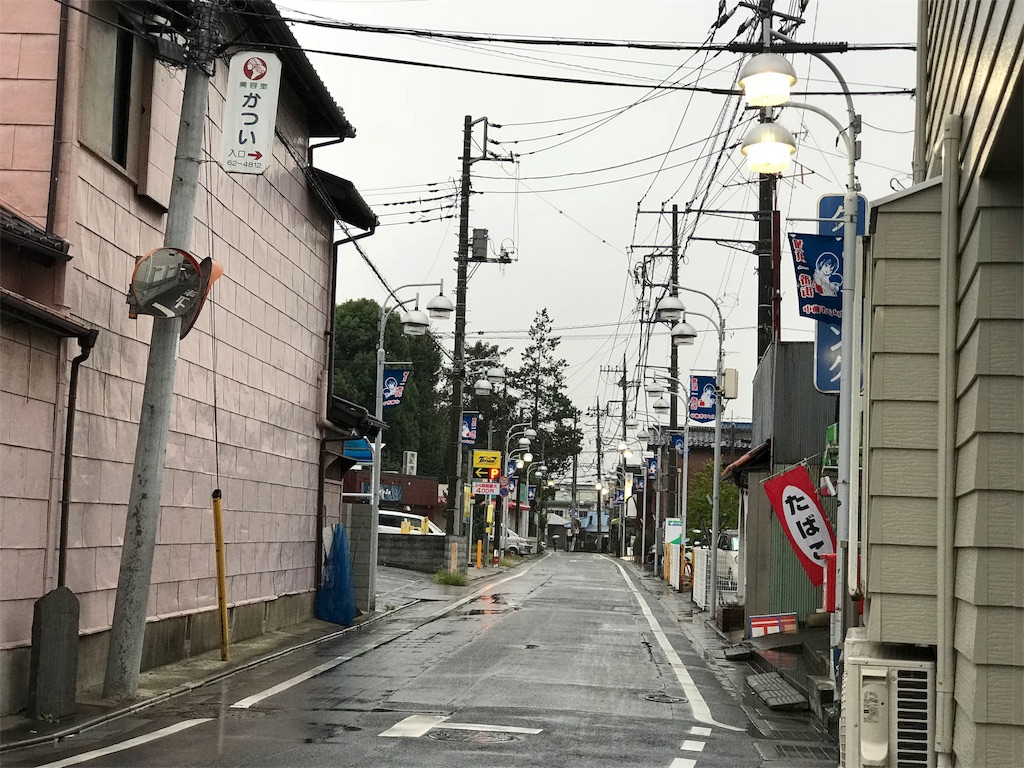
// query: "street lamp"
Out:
[769,81]
[414,323]
[686,336]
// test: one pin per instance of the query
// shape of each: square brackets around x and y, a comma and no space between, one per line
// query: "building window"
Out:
[112,108]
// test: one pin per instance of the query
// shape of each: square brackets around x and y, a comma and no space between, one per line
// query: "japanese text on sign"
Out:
[799,510]
[250,112]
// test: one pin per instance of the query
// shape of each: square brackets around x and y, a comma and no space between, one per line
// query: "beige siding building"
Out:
[88,126]
[943,521]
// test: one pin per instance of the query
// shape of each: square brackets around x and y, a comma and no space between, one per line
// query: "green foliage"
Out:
[419,423]
[698,509]
[453,578]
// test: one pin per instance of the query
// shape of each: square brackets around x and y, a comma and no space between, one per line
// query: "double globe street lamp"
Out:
[414,323]
[671,309]
[766,80]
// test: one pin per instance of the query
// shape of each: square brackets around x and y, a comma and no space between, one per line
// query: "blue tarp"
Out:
[589,522]
[336,599]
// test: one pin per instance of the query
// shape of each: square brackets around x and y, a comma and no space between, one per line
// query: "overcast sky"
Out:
[573,228]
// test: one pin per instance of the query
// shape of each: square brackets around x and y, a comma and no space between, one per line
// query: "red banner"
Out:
[796,503]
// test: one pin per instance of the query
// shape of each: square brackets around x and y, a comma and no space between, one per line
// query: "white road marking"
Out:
[700,730]
[692,746]
[700,707]
[329,665]
[415,726]
[492,728]
[683,762]
[129,744]
[293,681]
[474,595]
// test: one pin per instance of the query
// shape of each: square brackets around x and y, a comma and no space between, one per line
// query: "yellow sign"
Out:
[490,512]
[406,526]
[487,459]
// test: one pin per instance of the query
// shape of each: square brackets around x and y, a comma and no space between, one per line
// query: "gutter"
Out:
[949,251]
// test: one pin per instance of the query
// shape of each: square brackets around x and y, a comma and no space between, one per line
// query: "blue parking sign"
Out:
[830,214]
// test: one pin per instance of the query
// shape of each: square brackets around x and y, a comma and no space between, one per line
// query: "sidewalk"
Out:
[162,683]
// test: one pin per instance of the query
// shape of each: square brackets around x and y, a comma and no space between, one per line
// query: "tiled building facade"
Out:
[88,125]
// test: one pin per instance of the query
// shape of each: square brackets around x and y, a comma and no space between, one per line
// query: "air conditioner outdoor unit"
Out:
[888,707]
[409,462]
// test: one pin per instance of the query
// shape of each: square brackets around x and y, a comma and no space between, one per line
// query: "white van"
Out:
[516,544]
[390,521]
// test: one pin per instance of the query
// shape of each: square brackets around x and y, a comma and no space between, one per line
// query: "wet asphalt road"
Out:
[569,660]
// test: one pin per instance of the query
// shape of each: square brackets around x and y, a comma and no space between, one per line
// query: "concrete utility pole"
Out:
[600,478]
[124,657]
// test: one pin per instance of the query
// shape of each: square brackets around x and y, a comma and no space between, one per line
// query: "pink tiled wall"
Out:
[257,349]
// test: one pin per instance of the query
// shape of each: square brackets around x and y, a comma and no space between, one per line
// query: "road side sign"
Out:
[250,112]
[486,489]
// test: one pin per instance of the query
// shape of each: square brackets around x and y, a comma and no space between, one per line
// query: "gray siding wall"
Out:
[901,414]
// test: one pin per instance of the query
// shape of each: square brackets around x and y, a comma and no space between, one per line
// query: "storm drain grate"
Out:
[664,698]
[774,750]
[475,737]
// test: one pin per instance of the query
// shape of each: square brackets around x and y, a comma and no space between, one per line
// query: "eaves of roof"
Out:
[262,23]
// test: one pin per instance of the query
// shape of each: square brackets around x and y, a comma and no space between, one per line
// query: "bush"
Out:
[453,578]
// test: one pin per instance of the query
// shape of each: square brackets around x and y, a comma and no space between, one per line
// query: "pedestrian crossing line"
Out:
[683,762]
[701,711]
[129,744]
[700,730]
[692,746]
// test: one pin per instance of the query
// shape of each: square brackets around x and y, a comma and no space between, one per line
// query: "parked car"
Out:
[516,544]
[390,521]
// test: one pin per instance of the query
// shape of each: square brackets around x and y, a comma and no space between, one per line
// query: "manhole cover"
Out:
[475,737]
[664,698]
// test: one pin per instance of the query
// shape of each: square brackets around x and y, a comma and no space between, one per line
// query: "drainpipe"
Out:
[86,342]
[949,248]
[58,119]
[921,107]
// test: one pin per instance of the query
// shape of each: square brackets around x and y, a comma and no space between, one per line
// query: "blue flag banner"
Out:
[652,466]
[702,399]
[818,261]
[395,380]
[469,423]
[638,484]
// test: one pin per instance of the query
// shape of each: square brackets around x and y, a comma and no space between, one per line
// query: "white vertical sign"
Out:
[250,112]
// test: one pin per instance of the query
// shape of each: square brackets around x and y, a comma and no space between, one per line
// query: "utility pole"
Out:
[674,501]
[600,477]
[625,500]
[124,656]
[454,459]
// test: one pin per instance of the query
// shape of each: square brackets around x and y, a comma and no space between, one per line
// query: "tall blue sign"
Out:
[826,358]
[652,466]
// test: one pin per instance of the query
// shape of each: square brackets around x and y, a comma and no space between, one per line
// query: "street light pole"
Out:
[849,372]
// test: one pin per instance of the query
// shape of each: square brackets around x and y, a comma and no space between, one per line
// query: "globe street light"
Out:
[769,81]
[686,336]
[414,323]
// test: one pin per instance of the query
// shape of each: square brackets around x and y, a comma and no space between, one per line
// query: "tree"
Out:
[539,386]
[418,424]
[699,491]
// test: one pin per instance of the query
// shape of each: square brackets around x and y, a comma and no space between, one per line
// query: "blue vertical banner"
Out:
[818,262]
[638,484]
[470,419]
[652,466]
[702,399]
[395,380]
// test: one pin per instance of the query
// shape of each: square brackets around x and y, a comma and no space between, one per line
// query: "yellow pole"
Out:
[222,590]
[479,553]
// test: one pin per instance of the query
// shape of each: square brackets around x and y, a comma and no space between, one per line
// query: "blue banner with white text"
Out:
[469,426]
[818,262]
[395,380]
[702,399]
